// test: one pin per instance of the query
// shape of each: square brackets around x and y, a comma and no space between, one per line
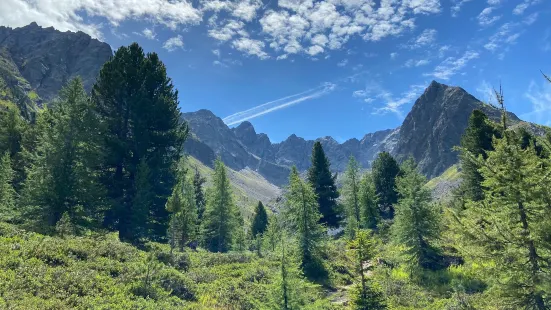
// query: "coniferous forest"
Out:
[100,208]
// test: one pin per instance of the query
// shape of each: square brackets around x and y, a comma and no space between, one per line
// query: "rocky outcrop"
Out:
[435,125]
[47,58]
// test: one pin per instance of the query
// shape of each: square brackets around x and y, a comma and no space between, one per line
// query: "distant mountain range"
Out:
[428,134]
[36,62]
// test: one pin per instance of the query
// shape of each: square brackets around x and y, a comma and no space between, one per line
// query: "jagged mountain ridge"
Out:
[36,62]
[429,132]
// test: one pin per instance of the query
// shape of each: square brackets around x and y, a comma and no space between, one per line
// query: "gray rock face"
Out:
[428,134]
[48,58]
[435,125]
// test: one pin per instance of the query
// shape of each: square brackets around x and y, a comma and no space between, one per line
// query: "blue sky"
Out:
[342,68]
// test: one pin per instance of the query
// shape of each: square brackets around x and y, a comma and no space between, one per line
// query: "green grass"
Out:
[451,174]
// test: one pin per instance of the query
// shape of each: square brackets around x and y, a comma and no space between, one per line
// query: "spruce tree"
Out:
[198,182]
[7,192]
[510,226]
[183,212]
[370,216]
[260,220]
[219,221]
[416,224]
[303,217]
[138,108]
[62,176]
[351,195]
[476,140]
[385,169]
[13,129]
[323,182]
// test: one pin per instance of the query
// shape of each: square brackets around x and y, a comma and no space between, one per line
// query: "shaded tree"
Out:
[351,195]
[476,140]
[62,175]
[142,134]
[260,220]
[324,186]
[198,182]
[385,169]
[370,216]
[7,192]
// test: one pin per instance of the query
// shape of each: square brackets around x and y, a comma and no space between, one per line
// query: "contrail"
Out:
[278,104]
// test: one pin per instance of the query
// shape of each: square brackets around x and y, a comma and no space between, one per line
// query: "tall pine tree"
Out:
[7,192]
[303,217]
[369,203]
[385,169]
[476,140]
[324,186]
[219,221]
[416,224]
[142,140]
[198,182]
[260,220]
[351,195]
[62,177]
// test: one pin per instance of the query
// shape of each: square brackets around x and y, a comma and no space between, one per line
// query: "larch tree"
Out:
[323,182]
[12,135]
[385,169]
[510,226]
[198,182]
[416,224]
[219,220]
[62,176]
[183,211]
[260,220]
[370,216]
[303,217]
[142,134]
[364,295]
[351,195]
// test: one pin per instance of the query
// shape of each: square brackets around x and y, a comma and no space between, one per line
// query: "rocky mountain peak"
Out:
[47,58]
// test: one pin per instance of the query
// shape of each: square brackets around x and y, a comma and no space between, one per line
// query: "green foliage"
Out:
[260,220]
[13,131]
[511,225]
[64,227]
[200,202]
[351,196]
[364,296]
[183,217]
[323,182]
[370,216]
[142,141]
[303,216]
[416,224]
[220,220]
[476,140]
[62,176]
[7,192]
[385,170]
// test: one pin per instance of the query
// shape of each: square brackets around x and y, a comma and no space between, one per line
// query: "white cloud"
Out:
[457,6]
[393,55]
[416,63]
[279,104]
[66,14]
[485,18]
[250,47]
[173,43]
[229,30]
[314,50]
[216,52]
[494,2]
[452,65]
[343,63]
[520,8]
[486,92]
[394,104]
[507,33]
[427,37]
[359,93]
[442,50]
[532,18]
[149,33]
[539,96]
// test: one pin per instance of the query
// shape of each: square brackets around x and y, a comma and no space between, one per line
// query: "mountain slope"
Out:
[428,134]
[38,61]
